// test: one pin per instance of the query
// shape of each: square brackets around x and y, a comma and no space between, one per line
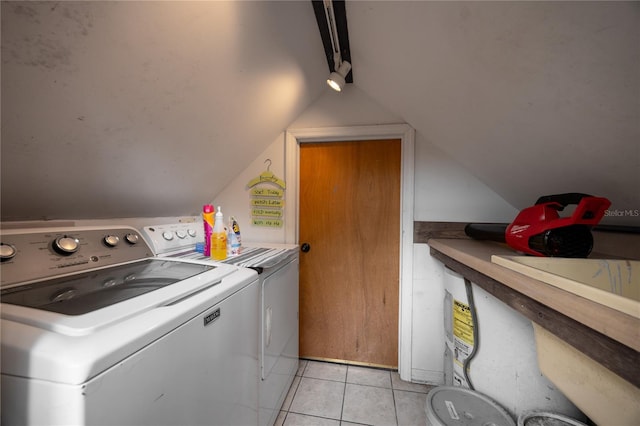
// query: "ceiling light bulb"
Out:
[336,79]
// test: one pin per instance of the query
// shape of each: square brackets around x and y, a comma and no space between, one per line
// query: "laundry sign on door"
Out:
[267,199]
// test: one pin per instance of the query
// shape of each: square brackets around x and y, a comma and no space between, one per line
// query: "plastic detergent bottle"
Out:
[233,238]
[219,238]
[207,220]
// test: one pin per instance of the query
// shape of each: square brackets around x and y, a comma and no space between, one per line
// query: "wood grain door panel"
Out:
[349,279]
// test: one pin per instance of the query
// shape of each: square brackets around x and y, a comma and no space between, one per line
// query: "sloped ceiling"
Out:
[141,109]
[138,109]
[534,98]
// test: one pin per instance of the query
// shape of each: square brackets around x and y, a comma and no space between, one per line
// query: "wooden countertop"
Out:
[609,336]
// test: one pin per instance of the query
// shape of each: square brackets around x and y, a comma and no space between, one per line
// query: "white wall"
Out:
[235,198]
[444,191]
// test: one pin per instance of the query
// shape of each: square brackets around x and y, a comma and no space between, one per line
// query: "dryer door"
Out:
[280,320]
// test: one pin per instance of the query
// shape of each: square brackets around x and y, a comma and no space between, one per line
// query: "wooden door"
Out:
[349,278]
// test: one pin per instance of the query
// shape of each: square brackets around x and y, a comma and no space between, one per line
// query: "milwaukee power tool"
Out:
[540,231]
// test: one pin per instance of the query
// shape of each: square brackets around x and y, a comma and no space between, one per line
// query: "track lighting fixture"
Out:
[336,79]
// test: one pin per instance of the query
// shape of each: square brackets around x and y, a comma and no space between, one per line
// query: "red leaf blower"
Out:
[539,230]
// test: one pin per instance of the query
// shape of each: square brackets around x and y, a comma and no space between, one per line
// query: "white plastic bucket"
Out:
[542,418]
[456,406]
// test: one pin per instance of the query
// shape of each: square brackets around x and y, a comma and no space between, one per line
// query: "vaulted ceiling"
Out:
[140,109]
[134,109]
[534,98]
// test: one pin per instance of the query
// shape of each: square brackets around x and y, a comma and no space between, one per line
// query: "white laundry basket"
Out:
[457,406]
[542,418]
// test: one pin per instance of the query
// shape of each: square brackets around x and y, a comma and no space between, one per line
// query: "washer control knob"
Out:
[111,240]
[132,238]
[66,245]
[192,233]
[167,235]
[7,251]
[181,234]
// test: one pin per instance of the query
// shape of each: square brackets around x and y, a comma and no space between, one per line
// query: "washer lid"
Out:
[455,406]
[89,291]
[72,349]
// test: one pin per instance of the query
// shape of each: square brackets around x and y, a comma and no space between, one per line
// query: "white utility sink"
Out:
[611,282]
[605,397]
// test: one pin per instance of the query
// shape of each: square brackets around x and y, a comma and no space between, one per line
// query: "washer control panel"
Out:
[39,253]
[166,238]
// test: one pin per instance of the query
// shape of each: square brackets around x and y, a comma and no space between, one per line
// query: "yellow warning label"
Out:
[462,322]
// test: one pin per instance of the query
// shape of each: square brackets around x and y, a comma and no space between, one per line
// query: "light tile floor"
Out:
[330,394]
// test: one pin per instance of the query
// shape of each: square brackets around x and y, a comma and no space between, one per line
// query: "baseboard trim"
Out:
[428,377]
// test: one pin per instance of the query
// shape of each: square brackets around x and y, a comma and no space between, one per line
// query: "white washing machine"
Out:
[97,331]
[505,365]
[278,274]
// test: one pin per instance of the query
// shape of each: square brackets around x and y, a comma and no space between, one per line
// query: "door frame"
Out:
[406,134]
